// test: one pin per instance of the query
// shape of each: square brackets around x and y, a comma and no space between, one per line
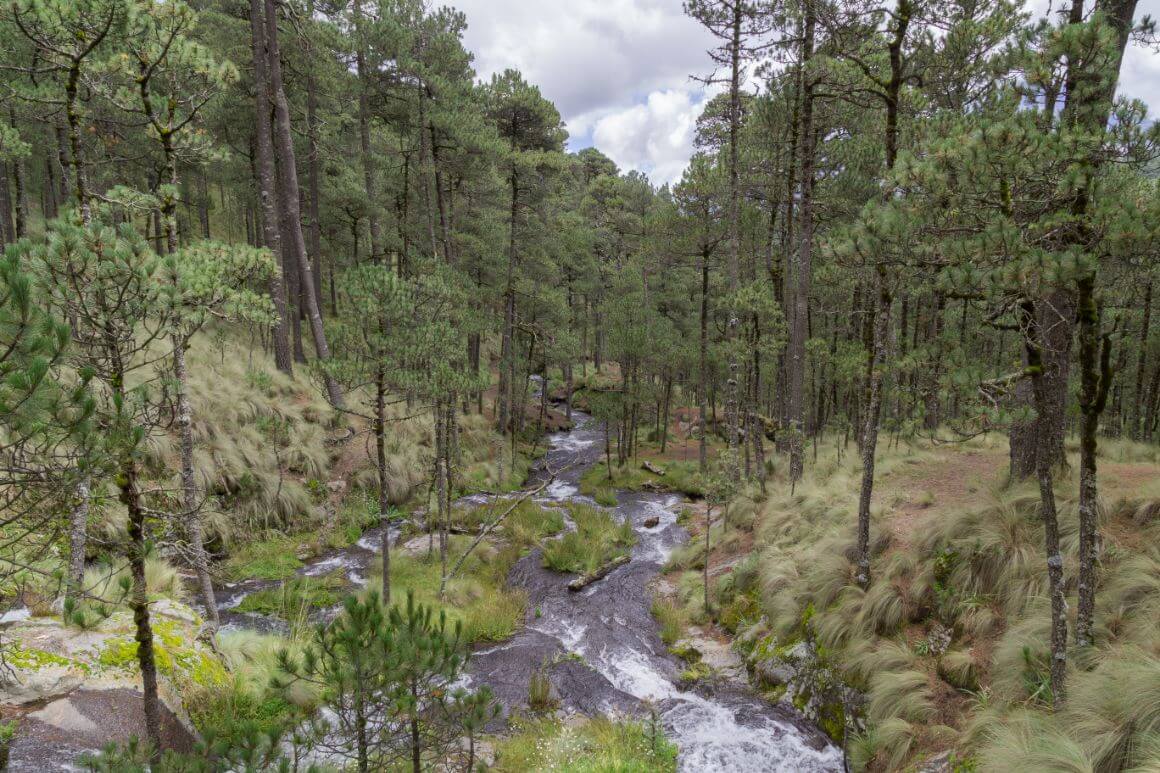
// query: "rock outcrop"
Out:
[74,690]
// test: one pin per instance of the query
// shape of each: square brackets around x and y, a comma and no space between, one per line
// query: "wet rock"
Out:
[651,522]
[174,611]
[54,737]
[773,673]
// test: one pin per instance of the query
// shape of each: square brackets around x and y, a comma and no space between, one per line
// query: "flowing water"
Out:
[600,647]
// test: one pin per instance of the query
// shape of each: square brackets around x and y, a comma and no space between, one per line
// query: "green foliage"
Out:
[387,676]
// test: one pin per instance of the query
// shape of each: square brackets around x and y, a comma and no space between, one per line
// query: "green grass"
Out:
[672,619]
[598,539]
[682,477]
[597,746]
[273,556]
[478,597]
[530,522]
[294,599]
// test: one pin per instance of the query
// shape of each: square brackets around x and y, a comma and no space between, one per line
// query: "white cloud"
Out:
[618,70]
[655,137]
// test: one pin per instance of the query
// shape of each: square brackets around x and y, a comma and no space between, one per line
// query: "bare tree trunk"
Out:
[381,460]
[1141,366]
[702,371]
[264,166]
[732,386]
[191,497]
[289,198]
[870,428]
[7,226]
[1045,432]
[1095,382]
[78,537]
[507,346]
[1044,401]
[139,603]
[803,269]
[364,136]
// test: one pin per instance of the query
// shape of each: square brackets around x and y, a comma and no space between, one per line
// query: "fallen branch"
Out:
[487,529]
[585,580]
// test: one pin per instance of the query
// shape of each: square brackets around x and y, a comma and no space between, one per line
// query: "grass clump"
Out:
[950,642]
[294,599]
[530,522]
[597,539]
[274,556]
[597,746]
[477,597]
[680,477]
[672,619]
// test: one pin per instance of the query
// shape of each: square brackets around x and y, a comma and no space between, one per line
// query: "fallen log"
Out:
[585,580]
[655,470]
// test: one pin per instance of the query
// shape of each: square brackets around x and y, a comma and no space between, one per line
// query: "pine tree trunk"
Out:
[796,364]
[288,177]
[1045,432]
[384,491]
[1095,379]
[703,369]
[7,226]
[191,497]
[78,538]
[1044,401]
[1138,410]
[364,135]
[264,166]
[869,443]
[20,181]
[139,603]
[733,385]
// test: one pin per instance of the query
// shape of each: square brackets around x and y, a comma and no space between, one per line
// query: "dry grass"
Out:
[957,549]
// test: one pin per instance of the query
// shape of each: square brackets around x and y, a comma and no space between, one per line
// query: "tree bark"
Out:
[803,268]
[870,427]
[139,603]
[1045,402]
[364,135]
[381,460]
[191,497]
[288,177]
[1044,433]
[264,166]
[1138,410]
[1095,378]
[702,371]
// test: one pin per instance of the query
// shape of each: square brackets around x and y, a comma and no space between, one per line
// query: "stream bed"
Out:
[600,647]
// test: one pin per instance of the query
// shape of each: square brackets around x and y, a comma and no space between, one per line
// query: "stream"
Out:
[601,647]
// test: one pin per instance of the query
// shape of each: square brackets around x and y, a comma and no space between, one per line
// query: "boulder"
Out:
[651,522]
[85,686]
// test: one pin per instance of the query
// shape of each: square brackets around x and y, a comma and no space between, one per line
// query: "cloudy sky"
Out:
[619,70]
